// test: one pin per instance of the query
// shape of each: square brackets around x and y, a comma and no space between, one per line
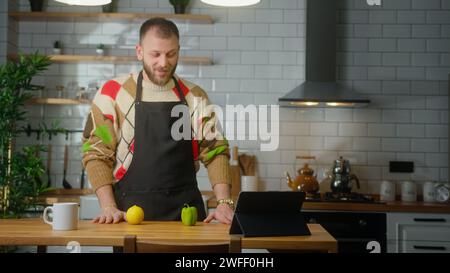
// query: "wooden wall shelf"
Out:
[70,192]
[57,101]
[95,58]
[72,16]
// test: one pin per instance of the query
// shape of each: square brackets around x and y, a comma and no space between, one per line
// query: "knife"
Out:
[65,183]
[82,178]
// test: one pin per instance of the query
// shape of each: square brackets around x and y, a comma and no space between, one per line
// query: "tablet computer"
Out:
[271,213]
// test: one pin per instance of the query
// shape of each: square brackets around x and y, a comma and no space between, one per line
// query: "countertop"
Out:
[63,195]
[397,206]
[73,195]
[36,232]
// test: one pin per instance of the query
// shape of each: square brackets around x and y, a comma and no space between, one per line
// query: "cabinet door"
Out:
[392,246]
[424,247]
[418,227]
[420,232]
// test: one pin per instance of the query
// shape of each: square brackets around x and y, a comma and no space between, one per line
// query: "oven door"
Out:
[355,232]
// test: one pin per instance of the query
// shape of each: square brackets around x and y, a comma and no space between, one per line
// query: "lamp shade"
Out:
[231,3]
[85,2]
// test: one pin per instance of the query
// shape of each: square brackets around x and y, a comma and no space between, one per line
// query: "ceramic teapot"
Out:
[305,181]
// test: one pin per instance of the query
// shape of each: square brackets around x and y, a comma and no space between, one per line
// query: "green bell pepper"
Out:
[189,215]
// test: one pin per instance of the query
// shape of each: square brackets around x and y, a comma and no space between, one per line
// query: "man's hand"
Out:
[223,213]
[110,215]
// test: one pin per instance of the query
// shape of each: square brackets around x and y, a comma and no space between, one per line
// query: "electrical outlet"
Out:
[401,166]
[374,2]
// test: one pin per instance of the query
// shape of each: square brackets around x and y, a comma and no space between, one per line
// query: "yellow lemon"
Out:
[135,215]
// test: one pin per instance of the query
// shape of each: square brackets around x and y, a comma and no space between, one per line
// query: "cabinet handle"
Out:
[430,220]
[430,247]
[362,223]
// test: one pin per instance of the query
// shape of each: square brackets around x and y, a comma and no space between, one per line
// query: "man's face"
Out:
[159,56]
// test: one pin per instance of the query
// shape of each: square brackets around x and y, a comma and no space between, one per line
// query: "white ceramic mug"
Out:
[64,216]
[429,192]
[249,183]
[387,191]
[409,191]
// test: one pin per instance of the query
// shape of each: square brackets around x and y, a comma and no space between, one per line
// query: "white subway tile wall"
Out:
[397,54]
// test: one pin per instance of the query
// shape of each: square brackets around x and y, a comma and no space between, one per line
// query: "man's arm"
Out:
[213,153]
[99,148]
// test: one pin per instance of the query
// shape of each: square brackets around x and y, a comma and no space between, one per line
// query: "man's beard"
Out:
[158,81]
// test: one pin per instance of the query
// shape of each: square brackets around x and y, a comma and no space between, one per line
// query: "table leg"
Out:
[41,249]
[235,244]
[117,249]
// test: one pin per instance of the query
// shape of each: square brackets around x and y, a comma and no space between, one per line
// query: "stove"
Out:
[352,197]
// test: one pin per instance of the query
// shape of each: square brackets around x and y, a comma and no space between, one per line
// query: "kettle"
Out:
[341,178]
[306,181]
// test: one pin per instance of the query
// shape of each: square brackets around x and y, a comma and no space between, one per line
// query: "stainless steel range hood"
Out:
[320,88]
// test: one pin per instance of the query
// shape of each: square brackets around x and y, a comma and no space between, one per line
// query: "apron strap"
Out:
[180,92]
[138,98]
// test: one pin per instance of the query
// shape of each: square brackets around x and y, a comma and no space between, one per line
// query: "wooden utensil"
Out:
[252,166]
[247,164]
[66,184]
[235,173]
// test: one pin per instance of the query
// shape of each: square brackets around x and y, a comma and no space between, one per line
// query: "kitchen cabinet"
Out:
[418,233]
[354,231]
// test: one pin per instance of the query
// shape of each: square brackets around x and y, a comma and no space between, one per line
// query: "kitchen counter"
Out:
[63,195]
[397,206]
[73,195]
[36,232]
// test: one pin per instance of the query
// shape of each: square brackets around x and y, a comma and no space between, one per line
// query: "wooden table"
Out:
[36,232]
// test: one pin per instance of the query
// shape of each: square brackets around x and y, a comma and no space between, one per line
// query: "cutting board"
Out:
[235,173]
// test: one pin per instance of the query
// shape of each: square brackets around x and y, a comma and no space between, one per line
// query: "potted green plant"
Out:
[36,5]
[111,7]
[57,47]
[100,49]
[20,170]
[179,5]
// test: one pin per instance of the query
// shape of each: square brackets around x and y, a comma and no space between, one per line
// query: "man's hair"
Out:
[164,28]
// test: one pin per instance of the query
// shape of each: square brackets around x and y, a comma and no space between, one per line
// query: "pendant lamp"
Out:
[85,2]
[231,3]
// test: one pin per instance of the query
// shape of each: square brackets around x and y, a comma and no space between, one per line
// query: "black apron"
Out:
[161,177]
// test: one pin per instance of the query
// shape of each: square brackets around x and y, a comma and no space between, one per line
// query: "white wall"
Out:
[258,55]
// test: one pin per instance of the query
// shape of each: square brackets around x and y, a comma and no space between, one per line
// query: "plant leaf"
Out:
[86,147]
[216,151]
[103,133]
